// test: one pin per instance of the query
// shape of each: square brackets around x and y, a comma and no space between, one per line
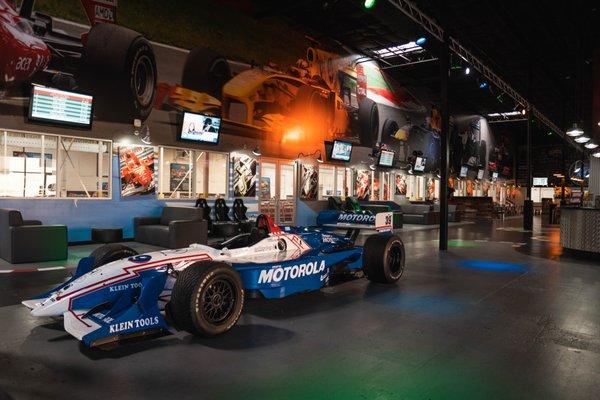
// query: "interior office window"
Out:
[326,181]
[218,168]
[83,168]
[340,181]
[38,165]
[176,173]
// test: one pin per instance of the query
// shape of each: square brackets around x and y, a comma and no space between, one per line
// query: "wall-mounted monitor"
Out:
[60,107]
[464,170]
[341,151]
[420,164]
[494,176]
[386,158]
[200,128]
[480,174]
[540,181]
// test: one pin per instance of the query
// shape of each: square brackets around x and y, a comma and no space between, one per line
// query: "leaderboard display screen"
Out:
[341,151]
[200,128]
[540,181]
[386,158]
[60,107]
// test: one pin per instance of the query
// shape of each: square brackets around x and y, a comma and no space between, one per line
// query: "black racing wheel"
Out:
[383,258]
[111,252]
[207,299]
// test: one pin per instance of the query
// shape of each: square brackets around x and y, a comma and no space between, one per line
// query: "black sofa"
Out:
[420,214]
[176,227]
[23,241]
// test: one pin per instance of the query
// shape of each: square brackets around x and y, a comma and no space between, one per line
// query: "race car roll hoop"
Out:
[116,293]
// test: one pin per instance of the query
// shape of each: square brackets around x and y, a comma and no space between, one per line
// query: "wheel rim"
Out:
[218,301]
[394,259]
[144,80]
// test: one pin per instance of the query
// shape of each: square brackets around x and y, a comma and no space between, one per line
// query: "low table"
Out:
[107,235]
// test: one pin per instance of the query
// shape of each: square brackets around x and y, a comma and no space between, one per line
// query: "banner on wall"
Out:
[400,185]
[363,185]
[309,182]
[179,177]
[136,164]
[244,176]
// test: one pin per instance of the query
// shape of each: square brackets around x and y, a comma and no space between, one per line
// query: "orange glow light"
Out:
[292,135]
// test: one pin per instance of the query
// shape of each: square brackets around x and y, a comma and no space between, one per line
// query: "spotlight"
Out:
[372,166]
[421,41]
[591,145]
[256,151]
[320,159]
[575,131]
[369,4]
[549,133]
[596,154]
[146,139]
[467,71]
[483,85]
[582,139]
[523,111]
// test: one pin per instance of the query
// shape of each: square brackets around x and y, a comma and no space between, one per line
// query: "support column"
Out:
[528,204]
[445,142]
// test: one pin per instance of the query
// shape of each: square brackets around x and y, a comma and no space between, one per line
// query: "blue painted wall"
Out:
[81,215]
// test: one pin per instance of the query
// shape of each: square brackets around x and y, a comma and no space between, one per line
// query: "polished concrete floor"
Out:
[504,314]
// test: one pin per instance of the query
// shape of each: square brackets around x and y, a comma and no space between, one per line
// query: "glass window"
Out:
[217,174]
[340,181]
[326,181]
[176,173]
[70,167]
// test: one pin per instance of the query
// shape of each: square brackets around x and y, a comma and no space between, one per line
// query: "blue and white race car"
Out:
[116,293]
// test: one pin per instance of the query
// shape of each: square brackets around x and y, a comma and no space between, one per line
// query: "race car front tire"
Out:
[207,299]
[383,258]
[368,122]
[205,71]
[111,252]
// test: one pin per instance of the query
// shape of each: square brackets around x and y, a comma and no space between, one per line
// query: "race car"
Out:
[116,293]
[113,63]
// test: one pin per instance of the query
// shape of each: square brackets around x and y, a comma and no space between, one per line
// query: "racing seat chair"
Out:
[239,216]
[206,209]
[257,233]
[223,226]
[335,203]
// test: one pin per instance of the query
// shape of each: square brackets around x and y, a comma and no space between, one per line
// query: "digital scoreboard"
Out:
[60,107]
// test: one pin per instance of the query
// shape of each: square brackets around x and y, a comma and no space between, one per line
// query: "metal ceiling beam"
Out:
[427,23]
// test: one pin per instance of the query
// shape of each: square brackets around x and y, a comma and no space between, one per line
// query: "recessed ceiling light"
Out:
[591,145]
[575,131]
[582,139]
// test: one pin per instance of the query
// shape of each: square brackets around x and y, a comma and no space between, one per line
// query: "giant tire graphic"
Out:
[205,71]
[368,122]
[119,68]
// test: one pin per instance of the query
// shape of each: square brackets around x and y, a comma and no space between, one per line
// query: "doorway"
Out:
[277,196]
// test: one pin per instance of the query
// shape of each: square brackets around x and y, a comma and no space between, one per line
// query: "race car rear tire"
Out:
[383,258]
[207,299]
[368,122]
[119,68]
[111,252]
[205,71]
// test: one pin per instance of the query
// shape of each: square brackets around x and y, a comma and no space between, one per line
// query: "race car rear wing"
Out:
[381,222]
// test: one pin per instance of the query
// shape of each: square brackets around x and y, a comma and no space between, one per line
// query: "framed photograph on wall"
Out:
[179,177]
[363,185]
[401,185]
[309,182]
[137,170]
[244,176]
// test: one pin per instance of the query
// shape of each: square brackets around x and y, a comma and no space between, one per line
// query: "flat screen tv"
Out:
[480,174]
[464,170]
[341,151]
[540,181]
[495,176]
[386,158]
[420,164]
[200,128]
[60,107]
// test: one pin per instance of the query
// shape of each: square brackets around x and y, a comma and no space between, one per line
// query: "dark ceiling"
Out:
[550,41]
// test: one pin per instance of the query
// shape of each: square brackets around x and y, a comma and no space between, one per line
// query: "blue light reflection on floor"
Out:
[427,304]
[488,265]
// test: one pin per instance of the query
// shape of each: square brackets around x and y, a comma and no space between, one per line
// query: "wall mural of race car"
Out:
[116,293]
[113,63]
